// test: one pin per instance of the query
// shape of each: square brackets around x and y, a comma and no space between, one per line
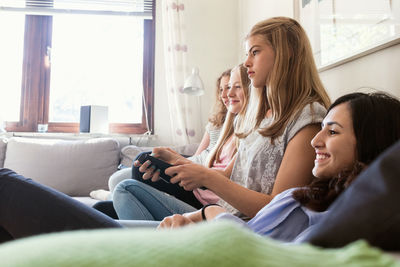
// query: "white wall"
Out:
[213,47]
[253,11]
[379,70]
[216,30]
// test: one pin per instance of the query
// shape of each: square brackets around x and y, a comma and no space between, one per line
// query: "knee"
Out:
[12,175]
[130,186]
[117,177]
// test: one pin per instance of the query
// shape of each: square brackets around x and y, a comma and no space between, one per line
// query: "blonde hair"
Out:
[232,120]
[292,83]
[218,115]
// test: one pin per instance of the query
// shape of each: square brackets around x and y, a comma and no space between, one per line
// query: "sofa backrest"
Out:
[74,167]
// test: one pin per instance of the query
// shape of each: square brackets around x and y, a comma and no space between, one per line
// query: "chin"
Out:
[319,173]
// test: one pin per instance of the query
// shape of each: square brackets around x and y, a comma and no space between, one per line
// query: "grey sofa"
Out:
[74,167]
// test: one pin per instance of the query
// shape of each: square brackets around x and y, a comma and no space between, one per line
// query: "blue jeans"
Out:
[134,200]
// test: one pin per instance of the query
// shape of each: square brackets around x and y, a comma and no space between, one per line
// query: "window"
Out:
[60,56]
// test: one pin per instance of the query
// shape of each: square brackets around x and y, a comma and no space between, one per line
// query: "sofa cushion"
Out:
[74,167]
[129,153]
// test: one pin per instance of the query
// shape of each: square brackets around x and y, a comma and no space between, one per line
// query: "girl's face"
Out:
[260,60]
[235,93]
[335,144]
[223,90]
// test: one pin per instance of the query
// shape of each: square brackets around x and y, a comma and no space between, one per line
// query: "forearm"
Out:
[210,212]
[247,201]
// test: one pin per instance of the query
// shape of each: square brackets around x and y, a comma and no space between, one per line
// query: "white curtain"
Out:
[184,110]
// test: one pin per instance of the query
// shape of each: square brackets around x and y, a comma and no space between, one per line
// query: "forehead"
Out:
[235,75]
[340,114]
[254,40]
[224,80]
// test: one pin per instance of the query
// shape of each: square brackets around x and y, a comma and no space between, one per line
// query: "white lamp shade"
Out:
[193,84]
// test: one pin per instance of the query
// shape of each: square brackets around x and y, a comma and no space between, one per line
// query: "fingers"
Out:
[144,166]
[157,152]
[156,176]
[172,171]
[136,163]
[149,171]
[174,221]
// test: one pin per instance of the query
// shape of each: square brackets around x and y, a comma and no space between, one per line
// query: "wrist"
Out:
[195,216]
[209,177]
[203,211]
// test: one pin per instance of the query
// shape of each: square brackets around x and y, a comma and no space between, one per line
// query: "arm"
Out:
[294,171]
[203,144]
[178,220]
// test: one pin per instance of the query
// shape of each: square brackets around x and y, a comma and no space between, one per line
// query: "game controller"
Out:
[158,164]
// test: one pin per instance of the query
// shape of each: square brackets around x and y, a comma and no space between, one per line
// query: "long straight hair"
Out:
[293,81]
[232,120]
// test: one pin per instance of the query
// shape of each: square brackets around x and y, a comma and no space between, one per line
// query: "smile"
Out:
[321,157]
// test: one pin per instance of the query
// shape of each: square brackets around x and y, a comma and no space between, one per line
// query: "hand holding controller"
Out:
[158,164]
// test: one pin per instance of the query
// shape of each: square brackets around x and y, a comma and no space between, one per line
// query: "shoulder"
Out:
[311,114]
[211,127]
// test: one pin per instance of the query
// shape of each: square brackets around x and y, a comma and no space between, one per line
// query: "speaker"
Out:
[93,119]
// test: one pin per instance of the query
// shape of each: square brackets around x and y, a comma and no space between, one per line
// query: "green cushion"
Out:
[213,244]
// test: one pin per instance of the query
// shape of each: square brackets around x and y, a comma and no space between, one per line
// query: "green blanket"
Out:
[212,244]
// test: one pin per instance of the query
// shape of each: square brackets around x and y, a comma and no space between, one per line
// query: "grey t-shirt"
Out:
[258,159]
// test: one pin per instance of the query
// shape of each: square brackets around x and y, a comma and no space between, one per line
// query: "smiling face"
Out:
[223,90]
[235,93]
[335,144]
[260,60]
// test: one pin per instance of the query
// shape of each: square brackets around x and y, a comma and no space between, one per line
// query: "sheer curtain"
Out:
[184,110]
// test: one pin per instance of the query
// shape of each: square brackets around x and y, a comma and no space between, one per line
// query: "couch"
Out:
[377,187]
[74,167]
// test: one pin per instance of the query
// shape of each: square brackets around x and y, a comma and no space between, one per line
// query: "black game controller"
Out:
[158,164]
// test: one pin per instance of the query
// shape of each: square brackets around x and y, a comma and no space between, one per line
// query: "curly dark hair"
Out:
[376,125]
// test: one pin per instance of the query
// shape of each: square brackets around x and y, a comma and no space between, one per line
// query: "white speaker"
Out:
[93,119]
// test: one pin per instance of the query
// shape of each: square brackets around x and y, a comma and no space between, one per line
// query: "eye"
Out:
[255,52]
[332,132]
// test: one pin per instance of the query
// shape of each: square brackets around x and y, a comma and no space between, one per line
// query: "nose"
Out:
[231,92]
[317,140]
[224,93]
[247,62]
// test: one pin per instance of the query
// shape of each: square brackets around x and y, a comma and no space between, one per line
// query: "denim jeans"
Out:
[134,200]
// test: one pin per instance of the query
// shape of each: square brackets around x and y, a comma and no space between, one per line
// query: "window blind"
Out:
[141,8]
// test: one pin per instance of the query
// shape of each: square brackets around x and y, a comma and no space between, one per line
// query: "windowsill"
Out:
[124,139]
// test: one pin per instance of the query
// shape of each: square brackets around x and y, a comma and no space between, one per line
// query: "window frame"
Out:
[35,91]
